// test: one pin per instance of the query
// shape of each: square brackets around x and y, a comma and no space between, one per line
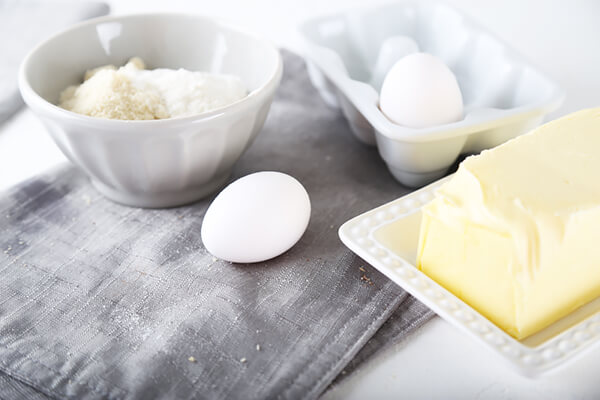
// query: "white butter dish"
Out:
[504,96]
[387,238]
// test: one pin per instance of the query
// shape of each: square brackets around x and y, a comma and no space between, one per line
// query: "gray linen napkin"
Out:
[23,23]
[98,300]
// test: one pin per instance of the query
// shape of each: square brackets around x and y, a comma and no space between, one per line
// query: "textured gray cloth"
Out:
[23,23]
[410,315]
[99,300]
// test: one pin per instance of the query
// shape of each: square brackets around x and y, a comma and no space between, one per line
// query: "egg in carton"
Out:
[349,54]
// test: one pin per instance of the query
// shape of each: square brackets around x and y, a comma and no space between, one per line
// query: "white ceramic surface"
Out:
[387,238]
[437,361]
[504,96]
[158,163]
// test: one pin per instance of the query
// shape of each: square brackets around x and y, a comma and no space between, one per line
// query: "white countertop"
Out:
[438,361]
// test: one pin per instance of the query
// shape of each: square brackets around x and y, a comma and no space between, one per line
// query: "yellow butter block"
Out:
[516,232]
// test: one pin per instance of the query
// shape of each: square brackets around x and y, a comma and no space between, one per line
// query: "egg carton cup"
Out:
[503,95]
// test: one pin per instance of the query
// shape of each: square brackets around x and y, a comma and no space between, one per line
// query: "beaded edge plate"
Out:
[387,238]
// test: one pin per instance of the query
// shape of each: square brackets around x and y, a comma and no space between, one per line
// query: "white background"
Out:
[438,362]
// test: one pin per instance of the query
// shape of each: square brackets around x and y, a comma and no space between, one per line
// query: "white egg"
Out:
[256,218]
[420,91]
[392,49]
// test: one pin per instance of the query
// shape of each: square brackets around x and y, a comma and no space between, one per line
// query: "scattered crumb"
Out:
[87,199]
[343,372]
[330,226]
[366,279]
[192,359]
[180,216]
[243,360]
[258,347]
[214,259]
[362,269]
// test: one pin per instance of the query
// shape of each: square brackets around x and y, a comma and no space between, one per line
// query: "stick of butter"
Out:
[516,232]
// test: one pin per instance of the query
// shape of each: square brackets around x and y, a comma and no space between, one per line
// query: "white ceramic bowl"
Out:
[158,163]
[504,96]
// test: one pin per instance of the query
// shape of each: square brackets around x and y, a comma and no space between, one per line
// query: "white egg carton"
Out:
[503,95]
